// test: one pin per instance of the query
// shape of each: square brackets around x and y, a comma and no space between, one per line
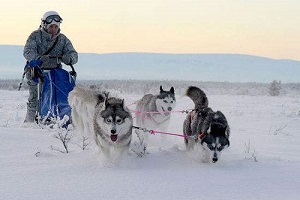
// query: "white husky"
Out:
[153,113]
[105,118]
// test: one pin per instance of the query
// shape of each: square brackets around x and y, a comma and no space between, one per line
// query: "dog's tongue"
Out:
[113,138]
[165,112]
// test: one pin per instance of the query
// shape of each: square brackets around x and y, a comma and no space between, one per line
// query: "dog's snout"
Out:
[215,158]
[169,108]
[113,131]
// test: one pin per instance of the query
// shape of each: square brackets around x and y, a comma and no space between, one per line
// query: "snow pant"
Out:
[32,104]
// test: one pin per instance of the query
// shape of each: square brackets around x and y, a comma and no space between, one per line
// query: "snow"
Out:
[261,163]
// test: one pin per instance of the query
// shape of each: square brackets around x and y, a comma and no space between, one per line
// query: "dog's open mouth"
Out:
[113,137]
[167,113]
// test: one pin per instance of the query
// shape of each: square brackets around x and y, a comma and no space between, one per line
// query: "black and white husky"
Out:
[104,118]
[153,112]
[205,127]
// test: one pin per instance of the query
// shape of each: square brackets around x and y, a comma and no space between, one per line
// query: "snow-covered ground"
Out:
[263,161]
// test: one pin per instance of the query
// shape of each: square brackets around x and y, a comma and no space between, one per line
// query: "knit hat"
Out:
[51,17]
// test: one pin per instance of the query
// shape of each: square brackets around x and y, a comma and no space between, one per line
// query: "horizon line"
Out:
[144,52]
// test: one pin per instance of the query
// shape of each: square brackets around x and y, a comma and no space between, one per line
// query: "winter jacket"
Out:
[40,41]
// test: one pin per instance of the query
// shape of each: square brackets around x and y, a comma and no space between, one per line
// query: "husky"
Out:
[83,102]
[205,127]
[104,118]
[153,112]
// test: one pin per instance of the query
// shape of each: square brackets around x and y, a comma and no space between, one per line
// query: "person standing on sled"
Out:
[51,47]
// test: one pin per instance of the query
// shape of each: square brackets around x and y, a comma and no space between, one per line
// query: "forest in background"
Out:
[152,86]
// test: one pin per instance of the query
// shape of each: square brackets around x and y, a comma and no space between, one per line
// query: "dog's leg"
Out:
[190,144]
[204,154]
[163,138]
[117,153]
[142,137]
[105,153]
[139,147]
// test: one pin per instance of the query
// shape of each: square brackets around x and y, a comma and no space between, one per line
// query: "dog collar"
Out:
[201,135]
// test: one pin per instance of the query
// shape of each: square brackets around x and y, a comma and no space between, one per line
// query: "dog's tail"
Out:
[198,97]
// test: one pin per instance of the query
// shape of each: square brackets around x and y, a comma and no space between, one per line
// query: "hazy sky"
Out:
[269,28]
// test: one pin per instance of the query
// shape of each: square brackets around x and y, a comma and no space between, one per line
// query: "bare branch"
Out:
[84,143]
[64,137]
[55,149]
[278,130]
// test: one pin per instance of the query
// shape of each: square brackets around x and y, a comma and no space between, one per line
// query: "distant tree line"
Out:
[138,87]
[275,88]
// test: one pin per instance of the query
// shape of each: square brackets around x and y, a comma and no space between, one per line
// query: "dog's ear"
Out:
[101,98]
[172,90]
[106,94]
[106,103]
[161,89]
[122,103]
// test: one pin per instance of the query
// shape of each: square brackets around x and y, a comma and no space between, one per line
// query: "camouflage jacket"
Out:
[40,41]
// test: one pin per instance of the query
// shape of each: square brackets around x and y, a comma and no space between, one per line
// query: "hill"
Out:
[159,66]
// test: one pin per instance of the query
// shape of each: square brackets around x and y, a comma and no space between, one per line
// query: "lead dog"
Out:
[205,127]
[153,112]
[104,118]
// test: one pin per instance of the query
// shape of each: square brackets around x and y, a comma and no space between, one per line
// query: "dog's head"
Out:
[166,101]
[215,140]
[115,120]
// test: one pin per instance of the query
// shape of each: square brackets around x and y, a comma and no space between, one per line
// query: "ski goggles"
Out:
[50,19]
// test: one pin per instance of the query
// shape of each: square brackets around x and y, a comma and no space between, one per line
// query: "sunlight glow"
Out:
[265,28]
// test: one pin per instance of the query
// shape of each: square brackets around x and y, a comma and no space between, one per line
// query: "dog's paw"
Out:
[204,160]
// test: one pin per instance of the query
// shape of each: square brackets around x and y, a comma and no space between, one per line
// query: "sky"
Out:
[268,28]
[261,163]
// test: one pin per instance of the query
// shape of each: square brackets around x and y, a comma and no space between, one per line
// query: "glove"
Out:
[66,59]
[44,58]
[34,73]
[73,73]
[48,63]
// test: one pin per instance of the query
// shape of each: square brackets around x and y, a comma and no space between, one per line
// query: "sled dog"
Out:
[104,118]
[153,112]
[205,127]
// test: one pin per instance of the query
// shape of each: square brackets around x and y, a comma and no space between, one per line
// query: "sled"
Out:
[53,91]
[54,86]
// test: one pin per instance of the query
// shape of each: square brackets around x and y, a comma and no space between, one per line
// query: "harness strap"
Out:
[201,136]
[50,49]
[153,132]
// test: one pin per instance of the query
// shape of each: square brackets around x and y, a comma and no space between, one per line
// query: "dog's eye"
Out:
[107,120]
[220,148]
[210,146]
[165,101]
[171,102]
[119,121]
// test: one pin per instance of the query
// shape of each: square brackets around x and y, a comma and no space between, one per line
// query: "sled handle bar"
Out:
[73,70]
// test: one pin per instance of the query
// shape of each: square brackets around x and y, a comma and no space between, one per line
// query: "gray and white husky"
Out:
[153,112]
[104,118]
[205,127]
